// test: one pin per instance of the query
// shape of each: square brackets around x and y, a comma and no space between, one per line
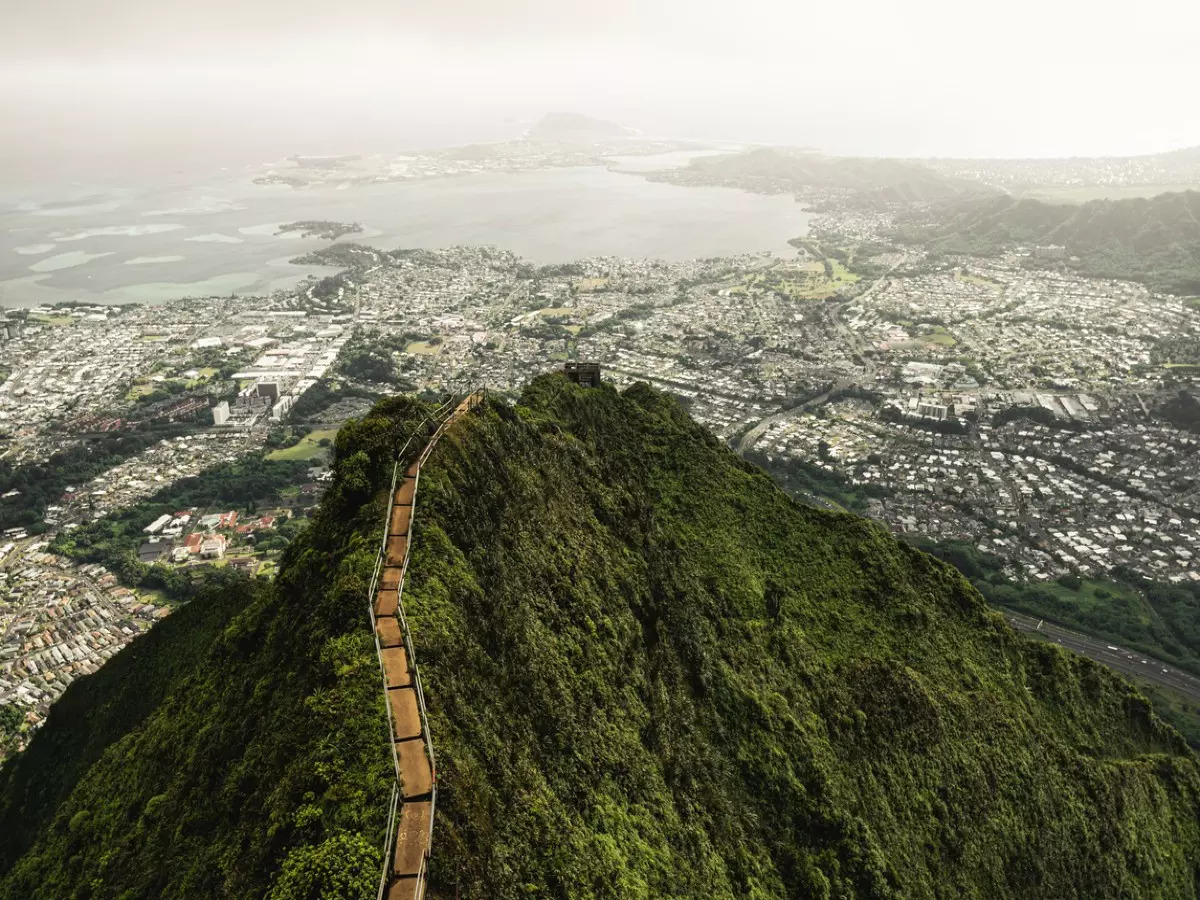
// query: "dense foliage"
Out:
[1156,240]
[1162,620]
[653,674]
[772,170]
[42,484]
[263,769]
[1183,411]
[113,540]
[97,711]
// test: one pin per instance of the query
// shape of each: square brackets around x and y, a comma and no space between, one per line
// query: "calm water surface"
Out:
[116,244]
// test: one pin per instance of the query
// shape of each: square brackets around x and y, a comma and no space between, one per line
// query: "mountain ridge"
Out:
[649,673]
[1156,240]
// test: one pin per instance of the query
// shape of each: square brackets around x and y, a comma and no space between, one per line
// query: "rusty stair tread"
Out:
[416,774]
[395,667]
[399,519]
[412,838]
[388,630]
[406,716]
[402,888]
[404,491]
[397,544]
[386,603]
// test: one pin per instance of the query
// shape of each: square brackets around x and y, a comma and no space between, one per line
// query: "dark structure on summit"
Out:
[586,374]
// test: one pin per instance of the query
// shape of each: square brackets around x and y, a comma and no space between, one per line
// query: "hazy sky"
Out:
[923,77]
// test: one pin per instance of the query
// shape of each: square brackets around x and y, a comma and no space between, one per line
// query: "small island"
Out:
[329,231]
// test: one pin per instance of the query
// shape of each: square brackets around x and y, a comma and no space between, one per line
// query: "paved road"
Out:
[750,437]
[853,341]
[1127,662]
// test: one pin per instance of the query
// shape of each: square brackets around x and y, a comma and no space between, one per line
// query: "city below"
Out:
[1005,402]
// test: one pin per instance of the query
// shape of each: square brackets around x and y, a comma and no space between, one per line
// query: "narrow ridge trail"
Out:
[410,823]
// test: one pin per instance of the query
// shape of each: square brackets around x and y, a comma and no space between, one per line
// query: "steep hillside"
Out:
[1155,240]
[650,674]
[241,749]
[771,170]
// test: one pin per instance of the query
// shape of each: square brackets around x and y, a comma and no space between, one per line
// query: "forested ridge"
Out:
[650,673]
[1156,240]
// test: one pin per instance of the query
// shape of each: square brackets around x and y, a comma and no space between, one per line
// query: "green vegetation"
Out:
[1183,411]
[368,356]
[312,445]
[113,541]
[1182,713]
[327,393]
[321,228]
[1155,240]
[650,673]
[1159,619]
[42,484]
[424,348]
[1084,193]
[803,479]
[97,711]
[245,757]
[777,170]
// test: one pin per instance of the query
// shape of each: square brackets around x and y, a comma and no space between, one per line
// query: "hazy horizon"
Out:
[87,88]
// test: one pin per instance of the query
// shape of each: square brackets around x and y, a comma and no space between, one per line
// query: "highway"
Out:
[1127,662]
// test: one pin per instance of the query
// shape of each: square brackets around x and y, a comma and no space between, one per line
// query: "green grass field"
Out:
[804,282]
[307,448]
[54,321]
[942,339]
[423,348]
[1094,595]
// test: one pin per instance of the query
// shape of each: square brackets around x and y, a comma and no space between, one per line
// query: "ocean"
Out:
[189,236]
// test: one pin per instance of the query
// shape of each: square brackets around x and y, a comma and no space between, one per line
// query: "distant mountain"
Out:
[649,673]
[778,170]
[572,128]
[1156,240]
[1082,177]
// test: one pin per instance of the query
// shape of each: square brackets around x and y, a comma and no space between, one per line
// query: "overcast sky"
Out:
[871,77]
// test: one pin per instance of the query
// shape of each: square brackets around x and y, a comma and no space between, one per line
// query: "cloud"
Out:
[867,76]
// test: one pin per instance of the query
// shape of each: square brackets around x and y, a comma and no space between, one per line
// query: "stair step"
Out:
[395,667]
[416,774]
[403,889]
[404,491]
[412,839]
[388,630]
[399,520]
[386,603]
[397,544]
[406,716]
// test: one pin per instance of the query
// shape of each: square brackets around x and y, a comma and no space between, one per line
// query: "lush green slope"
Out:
[240,750]
[652,674]
[1155,240]
[97,711]
[772,170]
